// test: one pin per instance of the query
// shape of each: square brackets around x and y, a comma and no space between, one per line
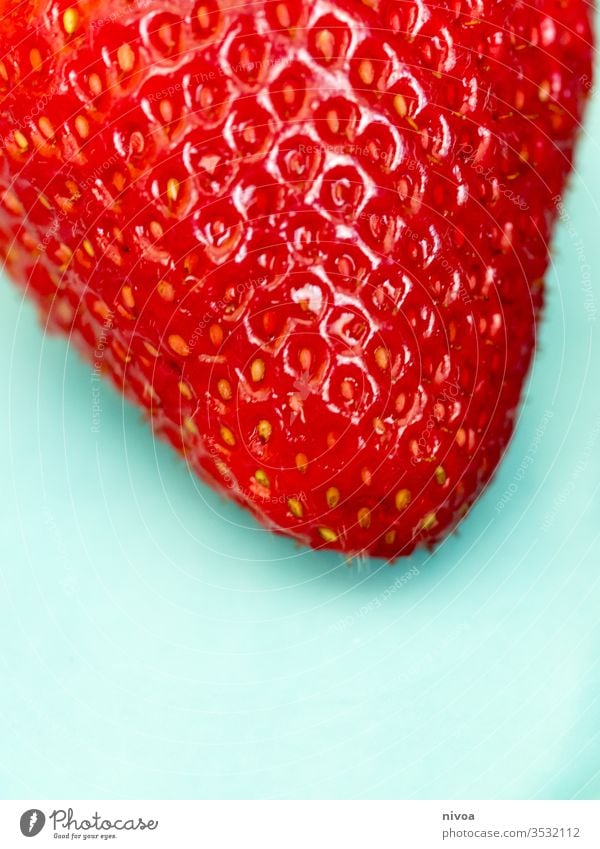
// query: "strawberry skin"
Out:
[309,239]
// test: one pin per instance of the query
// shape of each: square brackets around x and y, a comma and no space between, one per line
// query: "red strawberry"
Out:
[308,238]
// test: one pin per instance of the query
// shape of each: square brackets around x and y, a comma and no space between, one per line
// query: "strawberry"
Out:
[309,239]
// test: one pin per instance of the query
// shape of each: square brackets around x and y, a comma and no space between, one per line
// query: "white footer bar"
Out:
[301,825]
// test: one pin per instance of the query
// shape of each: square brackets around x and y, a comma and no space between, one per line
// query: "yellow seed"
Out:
[283,15]
[301,462]
[262,477]
[127,295]
[30,243]
[216,335]
[12,202]
[101,309]
[35,57]
[64,253]
[366,71]
[264,429]
[118,182]
[122,311]
[72,188]
[328,535]
[544,92]
[151,349]
[156,230]
[305,358]
[347,390]
[295,507]
[440,475]
[333,121]
[185,390]
[190,426]
[172,188]
[402,499]
[121,352]
[428,521]
[400,105]
[381,357]
[21,140]
[227,436]
[326,43]
[519,99]
[125,57]
[45,125]
[165,108]
[203,17]
[224,387]
[332,496]
[166,290]
[179,345]
[289,95]
[257,370]
[82,126]
[64,311]
[71,20]
[390,537]
[461,436]
[95,84]
[88,247]
[364,517]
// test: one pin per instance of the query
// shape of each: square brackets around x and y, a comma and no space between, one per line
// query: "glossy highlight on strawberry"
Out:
[308,238]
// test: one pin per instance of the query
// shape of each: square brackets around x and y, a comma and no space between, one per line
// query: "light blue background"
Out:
[154,643]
